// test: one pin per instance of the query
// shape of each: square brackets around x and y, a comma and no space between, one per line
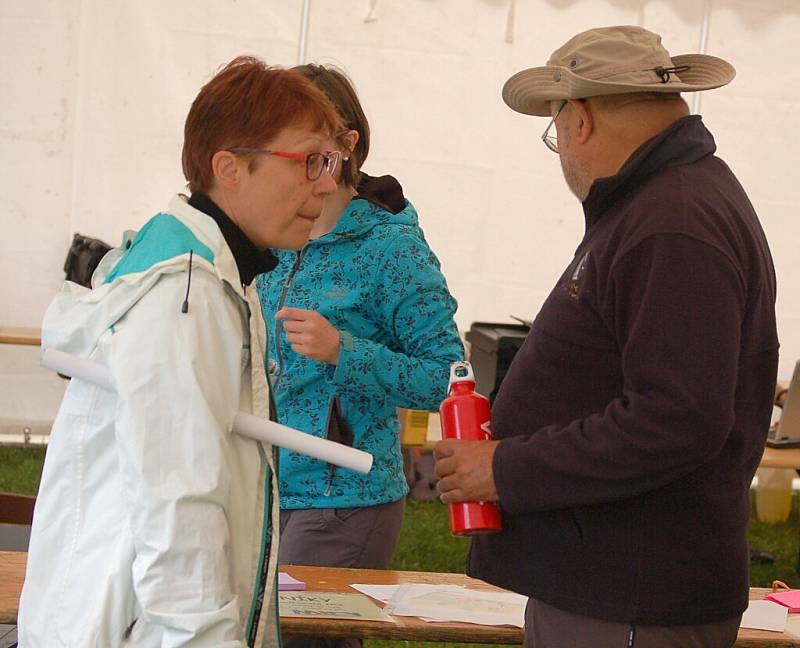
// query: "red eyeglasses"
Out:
[316,163]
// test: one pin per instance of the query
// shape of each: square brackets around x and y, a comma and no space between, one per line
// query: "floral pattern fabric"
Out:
[376,280]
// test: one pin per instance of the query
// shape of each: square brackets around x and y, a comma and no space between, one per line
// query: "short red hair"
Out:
[248,103]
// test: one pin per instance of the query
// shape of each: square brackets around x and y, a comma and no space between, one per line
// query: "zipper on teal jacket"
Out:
[279,323]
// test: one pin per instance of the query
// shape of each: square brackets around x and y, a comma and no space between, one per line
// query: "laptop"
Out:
[787,433]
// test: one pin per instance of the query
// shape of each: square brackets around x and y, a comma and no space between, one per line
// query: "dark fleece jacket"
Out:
[634,416]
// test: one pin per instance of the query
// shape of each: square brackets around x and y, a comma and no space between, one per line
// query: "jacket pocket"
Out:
[338,431]
[335,517]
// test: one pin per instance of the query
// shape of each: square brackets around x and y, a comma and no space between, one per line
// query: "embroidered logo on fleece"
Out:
[573,281]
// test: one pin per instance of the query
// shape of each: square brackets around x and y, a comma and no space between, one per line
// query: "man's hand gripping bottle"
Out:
[465,416]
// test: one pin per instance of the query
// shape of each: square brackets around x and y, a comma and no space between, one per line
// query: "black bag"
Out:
[83,257]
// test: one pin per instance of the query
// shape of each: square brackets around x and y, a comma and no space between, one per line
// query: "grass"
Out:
[783,542]
[426,544]
[20,469]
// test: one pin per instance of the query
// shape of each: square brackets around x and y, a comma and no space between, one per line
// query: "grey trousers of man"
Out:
[362,538]
[549,627]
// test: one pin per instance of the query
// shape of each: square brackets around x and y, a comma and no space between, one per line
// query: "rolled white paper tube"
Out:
[286,437]
[74,367]
[245,424]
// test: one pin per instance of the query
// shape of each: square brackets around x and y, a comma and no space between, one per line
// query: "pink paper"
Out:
[288,584]
[789,598]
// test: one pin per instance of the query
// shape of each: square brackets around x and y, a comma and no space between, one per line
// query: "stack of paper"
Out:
[330,605]
[764,615]
[789,598]
[450,603]
[288,584]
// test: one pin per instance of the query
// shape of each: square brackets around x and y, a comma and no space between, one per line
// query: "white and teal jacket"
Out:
[155,525]
[377,281]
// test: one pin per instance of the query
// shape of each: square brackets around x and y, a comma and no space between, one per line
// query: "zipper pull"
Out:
[331,477]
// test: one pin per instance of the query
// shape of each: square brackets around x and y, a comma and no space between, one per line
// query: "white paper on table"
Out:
[455,603]
[793,626]
[382,593]
[765,615]
[331,605]
[287,583]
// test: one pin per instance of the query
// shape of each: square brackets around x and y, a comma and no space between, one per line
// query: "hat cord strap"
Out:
[664,73]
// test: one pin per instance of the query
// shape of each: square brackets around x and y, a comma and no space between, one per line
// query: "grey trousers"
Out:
[549,627]
[360,537]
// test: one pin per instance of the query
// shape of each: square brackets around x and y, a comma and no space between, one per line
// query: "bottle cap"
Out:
[461,371]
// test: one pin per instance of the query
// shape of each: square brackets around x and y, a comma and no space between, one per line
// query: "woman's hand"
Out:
[310,334]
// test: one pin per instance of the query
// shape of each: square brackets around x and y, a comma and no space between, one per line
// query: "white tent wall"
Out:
[95,93]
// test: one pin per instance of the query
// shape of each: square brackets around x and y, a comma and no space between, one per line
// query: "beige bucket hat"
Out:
[612,60]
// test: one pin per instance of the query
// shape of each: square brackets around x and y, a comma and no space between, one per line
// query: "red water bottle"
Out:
[465,415]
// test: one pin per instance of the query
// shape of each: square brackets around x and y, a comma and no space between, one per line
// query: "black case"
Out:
[492,348]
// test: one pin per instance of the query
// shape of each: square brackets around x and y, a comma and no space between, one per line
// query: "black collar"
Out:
[684,142]
[249,259]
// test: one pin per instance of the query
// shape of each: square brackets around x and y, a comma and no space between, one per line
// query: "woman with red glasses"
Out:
[153,521]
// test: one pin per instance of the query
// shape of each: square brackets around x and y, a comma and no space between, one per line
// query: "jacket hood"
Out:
[380,201]
[384,191]
[78,316]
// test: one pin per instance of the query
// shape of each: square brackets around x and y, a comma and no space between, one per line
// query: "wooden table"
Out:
[20,335]
[330,579]
[12,573]
[780,458]
[334,579]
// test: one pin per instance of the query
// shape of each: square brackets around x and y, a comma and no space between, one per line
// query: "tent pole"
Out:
[301,46]
[702,49]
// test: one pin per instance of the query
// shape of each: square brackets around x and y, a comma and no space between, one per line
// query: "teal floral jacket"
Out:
[376,280]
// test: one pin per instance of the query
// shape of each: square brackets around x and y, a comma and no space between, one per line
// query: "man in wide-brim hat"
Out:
[632,420]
